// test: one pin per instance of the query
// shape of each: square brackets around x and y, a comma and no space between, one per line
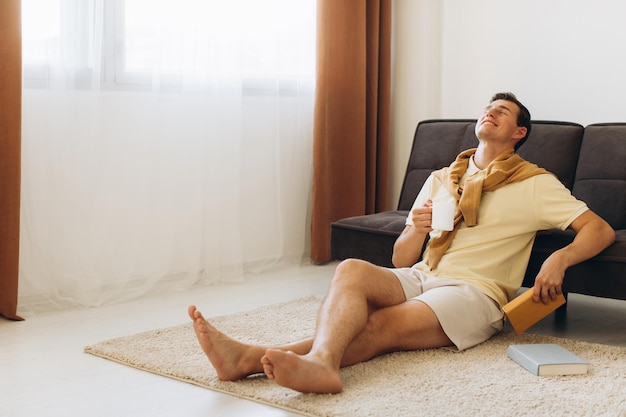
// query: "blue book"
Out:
[547,359]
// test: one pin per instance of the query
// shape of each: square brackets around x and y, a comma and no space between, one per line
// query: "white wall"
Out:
[416,78]
[565,59]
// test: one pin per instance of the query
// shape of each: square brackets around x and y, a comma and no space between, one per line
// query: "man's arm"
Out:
[593,235]
[408,247]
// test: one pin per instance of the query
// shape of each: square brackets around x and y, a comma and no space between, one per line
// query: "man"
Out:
[453,297]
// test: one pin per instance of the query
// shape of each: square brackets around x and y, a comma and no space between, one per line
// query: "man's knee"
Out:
[373,279]
[352,269]
[350,265]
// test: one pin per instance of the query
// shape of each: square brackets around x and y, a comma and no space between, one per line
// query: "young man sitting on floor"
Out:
[454,296]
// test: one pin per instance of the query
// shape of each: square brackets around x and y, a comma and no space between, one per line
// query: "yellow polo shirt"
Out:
[494,254]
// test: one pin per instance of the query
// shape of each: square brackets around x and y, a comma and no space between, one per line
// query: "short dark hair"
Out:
[523,118]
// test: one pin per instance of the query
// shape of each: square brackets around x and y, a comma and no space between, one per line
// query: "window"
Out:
[136,44]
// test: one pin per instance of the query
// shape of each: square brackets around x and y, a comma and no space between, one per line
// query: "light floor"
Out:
[44,372]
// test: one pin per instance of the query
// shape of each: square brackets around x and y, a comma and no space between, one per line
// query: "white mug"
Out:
[443,215]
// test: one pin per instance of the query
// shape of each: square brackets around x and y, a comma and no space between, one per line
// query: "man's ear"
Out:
[521,132]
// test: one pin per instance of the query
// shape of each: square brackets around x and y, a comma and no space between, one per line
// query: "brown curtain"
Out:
[351,133]
[10,153]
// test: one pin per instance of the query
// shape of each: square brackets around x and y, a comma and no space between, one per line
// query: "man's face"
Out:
[499,121]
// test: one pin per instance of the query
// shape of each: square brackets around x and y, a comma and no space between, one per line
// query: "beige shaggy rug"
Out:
[480,381]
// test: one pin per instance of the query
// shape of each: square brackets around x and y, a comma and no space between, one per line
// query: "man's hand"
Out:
[408,247]
[423,217]
[549,280]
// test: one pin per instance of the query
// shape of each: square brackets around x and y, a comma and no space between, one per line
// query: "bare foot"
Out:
[231,359]
[301,373]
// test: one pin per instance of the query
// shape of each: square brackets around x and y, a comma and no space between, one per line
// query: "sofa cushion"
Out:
[370,237]
[436,144]
[601,172]
[554,146]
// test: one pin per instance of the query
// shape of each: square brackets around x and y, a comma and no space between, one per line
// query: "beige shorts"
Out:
[466,314]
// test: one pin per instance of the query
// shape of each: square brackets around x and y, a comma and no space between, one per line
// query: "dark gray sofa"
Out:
[590,161]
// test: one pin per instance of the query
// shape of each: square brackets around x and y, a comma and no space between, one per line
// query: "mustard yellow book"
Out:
[522,312]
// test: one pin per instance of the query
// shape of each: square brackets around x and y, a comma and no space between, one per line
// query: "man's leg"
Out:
[390,325]
[357,288]
[363,315]
[408,326]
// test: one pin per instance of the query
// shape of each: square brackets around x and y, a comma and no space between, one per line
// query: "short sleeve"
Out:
[556,207]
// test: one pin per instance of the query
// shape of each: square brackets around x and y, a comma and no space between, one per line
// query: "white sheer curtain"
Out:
[165,144]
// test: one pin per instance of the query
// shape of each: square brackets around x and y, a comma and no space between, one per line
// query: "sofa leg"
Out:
[560,315]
